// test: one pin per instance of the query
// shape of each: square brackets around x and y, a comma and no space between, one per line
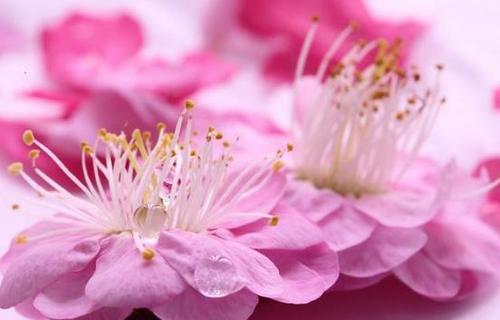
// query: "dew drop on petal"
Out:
[216,276]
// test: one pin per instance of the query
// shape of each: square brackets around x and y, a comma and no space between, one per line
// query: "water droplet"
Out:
[149,221]
[216,276]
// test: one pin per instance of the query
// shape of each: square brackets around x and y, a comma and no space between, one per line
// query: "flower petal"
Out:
[293,232]
[41,265]
[194,306]
[65,298]
[426,277]
[346,227]
[384,250]
[307,273]
[123,278]
[464,244]
[314,203]
[226,266]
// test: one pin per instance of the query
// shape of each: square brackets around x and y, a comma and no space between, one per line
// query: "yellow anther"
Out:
[15,207]
[139,143]
[193,153]
[20,239]
[189,104]
[33,154]
[226,144]
[274,220]
[28,137]
[146,135]
[289,147]
[86,148]
[101,133]
[315,18]
[278,165]
[439,67]
[218,136]
[161,126]
[15,168]
[148,254]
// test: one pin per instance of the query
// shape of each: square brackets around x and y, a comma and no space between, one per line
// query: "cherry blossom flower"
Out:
[355,171]
[173,224]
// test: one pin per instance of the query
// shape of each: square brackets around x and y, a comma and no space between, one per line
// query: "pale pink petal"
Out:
[314,203]
[41,265]
[123,278]
[384,250]
[203,259]
[428,278]
[464,244]
[496,99]
[194,306]
[398,209]
[307,273]
[27,310]
[65,298]
[293,232]
[346,227]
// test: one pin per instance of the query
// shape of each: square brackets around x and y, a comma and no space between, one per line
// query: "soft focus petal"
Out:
[314,203]
[123,278]
[346,227]
[464,244]
[307,273]
[41,265]
[65,298]
[194,306]
[428,278]
[80,47]
[384,250]
[287,23]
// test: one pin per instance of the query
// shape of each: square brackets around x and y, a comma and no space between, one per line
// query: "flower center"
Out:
[361,126]
[142,187]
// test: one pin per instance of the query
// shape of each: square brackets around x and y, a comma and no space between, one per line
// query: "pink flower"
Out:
[355,171]
[284,24]
[101,80]
[167,224]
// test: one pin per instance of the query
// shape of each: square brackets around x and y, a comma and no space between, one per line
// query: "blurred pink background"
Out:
[461,34]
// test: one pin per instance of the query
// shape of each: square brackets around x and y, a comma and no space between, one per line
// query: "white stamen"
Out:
[360,122]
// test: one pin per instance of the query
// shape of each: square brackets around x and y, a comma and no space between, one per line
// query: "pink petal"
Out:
[65,298]
[464,244]
[307,273]
[427,278]
[398,209]
[194,306]
[77,50]
[293,232]
[194,255]
[27,310]
[346,227]
[313,203]
[123,278]
[492,167]
[41,265]
[384,250]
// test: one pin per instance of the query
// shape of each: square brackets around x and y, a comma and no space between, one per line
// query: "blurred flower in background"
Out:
[71,68]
